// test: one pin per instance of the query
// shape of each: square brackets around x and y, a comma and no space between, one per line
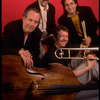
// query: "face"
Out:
[62,39]
[70,6]
[31,21]
[44,2]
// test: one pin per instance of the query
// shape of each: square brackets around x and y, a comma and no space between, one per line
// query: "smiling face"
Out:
[70,6]
[62,39]
[30,22]
[44,2]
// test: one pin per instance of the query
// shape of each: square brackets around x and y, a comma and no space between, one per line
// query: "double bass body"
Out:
[31,86]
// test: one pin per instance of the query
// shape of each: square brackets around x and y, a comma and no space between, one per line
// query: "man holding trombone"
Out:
[85,70]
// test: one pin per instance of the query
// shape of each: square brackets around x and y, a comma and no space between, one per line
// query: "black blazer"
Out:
[13,39]
[50,16]
[85,13]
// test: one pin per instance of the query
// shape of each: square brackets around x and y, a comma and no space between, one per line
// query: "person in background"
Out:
[73,17]
[47,22]
[21,37]
[85,70]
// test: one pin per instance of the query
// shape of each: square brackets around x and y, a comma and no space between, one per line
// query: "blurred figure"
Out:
[47,22]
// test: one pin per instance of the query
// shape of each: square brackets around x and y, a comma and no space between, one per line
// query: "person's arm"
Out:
[27,58]
[51,19]
[91,25]
[90,65]
[8,40]
[87,41]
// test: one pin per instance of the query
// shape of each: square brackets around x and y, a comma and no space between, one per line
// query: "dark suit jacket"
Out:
[85,13]
[13,39]
[50,16]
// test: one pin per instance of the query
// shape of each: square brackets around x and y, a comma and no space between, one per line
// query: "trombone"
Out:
[61,52]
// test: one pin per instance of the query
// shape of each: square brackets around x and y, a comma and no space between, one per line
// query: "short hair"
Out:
[60,27]
[29,9]
[63,4]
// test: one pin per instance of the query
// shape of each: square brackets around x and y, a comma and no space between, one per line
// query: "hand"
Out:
[27,58]
[28,62]
[25,53]
[51,37]
[84,46]
[87,41]
[91,63]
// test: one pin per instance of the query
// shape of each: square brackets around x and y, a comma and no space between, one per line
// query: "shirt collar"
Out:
[70,15]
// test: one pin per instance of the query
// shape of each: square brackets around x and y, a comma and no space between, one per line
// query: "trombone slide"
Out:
[69,49]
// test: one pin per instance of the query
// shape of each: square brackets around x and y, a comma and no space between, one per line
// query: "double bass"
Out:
[57,82]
